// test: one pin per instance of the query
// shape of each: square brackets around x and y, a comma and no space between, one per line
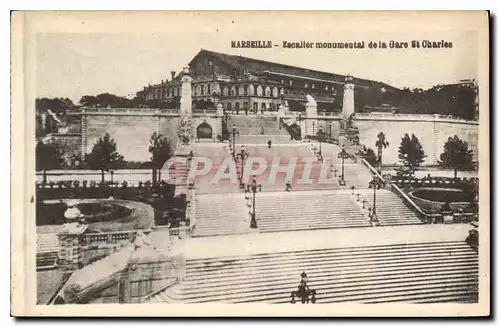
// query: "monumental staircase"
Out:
[290,211]
[390,209]
[253,125]
[47,247]
[221,215]
[424,272]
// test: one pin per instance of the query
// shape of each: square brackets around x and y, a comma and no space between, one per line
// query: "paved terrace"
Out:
[256,243]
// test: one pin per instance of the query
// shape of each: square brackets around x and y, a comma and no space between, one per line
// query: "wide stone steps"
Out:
[253,124]
[422,272]
[46,260]
[47,242]
[390,209]
[307,210]
[221,215]
[263,139]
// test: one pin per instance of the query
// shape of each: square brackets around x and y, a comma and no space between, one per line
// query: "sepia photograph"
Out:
[292,162]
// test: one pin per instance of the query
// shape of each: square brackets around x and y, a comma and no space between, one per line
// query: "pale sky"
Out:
[76,64]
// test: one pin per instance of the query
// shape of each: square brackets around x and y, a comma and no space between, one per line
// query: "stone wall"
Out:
[432,133]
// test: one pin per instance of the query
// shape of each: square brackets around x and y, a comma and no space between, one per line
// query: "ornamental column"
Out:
[186,96]
[348,103]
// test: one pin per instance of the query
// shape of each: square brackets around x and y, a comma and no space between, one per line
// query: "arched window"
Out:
[290,83]
[241,90]
[268,91]
[282,91]
[275,92]
[225,91]
[229,107]
[233,90]
[198,90]
[259,90]
[250,90]
[205,90]
[306,85]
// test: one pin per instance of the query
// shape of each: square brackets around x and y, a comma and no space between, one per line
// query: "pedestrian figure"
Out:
[262,130]
[269,144]
[288,186]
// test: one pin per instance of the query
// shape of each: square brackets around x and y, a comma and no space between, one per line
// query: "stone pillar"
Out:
[348,103]
[70,242]
[311,114]
[83,150]
[186,90]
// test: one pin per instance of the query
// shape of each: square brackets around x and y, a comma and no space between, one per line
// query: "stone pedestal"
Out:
[348,103]
[70,241]
[220,110]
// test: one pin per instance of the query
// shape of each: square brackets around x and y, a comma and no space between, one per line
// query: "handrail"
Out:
[414,205]
[161,289]
[373,170]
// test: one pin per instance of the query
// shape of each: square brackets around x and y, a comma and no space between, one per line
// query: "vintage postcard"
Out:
[250,164]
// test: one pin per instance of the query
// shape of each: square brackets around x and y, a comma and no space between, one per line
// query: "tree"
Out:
[48,156]
[161,151]
[456,155]
[104,155]
[411,154]
[380,143]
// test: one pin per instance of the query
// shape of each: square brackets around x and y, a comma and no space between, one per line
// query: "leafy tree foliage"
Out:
[457,100]
[411,154]
[48,156]
[381,143]
[108,100]
[456,155]
[161,151]
[104,156]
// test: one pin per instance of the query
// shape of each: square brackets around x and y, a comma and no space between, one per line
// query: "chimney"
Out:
[172,73]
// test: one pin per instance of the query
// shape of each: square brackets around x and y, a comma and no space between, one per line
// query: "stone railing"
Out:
[89,239]
[372,170]
[437,181]
[130,111]
[428,218]
[205,111]
[413,117]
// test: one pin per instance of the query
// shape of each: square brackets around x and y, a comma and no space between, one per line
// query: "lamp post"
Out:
[320,138]
[304,293]
[343,155]
[242,155]
[330,128]
[234,142]
[376,184]
[111,172]
[314,124]
[254,188]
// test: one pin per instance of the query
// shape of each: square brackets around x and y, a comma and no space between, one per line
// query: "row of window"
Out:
[263,106]
[206,89]
[251,90]
[306,85]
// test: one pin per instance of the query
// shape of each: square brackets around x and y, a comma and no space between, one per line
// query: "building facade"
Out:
[249,85]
